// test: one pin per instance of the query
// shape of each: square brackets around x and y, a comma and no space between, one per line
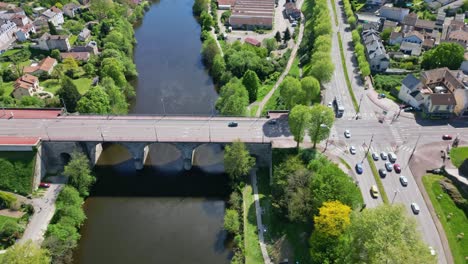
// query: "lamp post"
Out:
[368,148]
[395,194]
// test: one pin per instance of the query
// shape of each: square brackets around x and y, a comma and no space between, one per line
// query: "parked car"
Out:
[397,168]
[374,191]
[347,134]
[383,155]
[44,185]
[392,157]
[382,173]
[403,180]
[415,208]
[388,166]
[447,137]
[359,168]
[352,150]
[233,124]
[375,156]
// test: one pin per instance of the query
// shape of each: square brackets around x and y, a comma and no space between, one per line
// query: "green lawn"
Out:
[274,103]
[383,194]
[458,222]
[345,69]
[8,87]
[263,91]
[72,39]
[294,71]
[4,219]
[253,253]
[253,110]
[52,85]
[458,155]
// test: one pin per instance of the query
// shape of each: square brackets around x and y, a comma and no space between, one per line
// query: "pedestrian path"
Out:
[395,134]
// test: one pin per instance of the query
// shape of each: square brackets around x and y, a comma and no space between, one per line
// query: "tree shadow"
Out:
[278,129]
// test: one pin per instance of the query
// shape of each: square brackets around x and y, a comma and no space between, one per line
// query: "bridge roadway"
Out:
[147,128]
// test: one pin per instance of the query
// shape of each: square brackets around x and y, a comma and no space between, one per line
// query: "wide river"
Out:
[161,214]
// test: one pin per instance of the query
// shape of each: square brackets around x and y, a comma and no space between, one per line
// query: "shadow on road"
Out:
[280,129]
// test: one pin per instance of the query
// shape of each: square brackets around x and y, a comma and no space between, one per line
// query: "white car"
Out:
[375,156]
[383,155]
[415,208]
[403,180]
[347,134]
[392,157]
[352,150]
[388,166]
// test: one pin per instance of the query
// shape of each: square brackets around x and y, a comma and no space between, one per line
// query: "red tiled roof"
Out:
[30,113]
[252,41]
[15,141]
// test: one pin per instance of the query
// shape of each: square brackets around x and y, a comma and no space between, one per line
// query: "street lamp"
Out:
[395,194]
[64,105]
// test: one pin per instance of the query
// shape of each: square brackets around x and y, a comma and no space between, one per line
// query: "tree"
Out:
[52,29]
[251,83]
[70,66]
[113,68]
[95,101]
[69,94]
[287,35]
[79,173]
[101,8]
[278,36]
[311,87]
[298,196]
[323,70]
[117,101]
[26,253]
[291,92]
[233,98]
[385,35]
[89,69]
[446,54]
[321,121]
[333,218]
[270,44]
[55,53]
[10,230]
[237,160]
[218,68]
[298,120]
[209,51]
[280,179]
[385,234]
[31,101]
[69,196]
[206,21]
[199,6]
[231,221]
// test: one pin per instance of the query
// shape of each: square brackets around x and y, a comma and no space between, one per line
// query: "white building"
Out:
[54,15]
[376,54]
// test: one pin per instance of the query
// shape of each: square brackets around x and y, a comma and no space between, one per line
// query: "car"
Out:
[44,185]
[233,124]
[375,156]
[352,150]
[409,109]
[382,173]
[359,168]
[447,137]
[403,180]
[374,191]
[392,157]
[388,166]
[383,155]
[382,95]
[347,134]
[415,208]
[397,168]
[272,121]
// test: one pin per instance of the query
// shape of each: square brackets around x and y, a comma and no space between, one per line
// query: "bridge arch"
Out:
[209,157]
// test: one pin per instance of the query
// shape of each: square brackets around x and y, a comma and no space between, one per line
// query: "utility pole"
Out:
[414,148]
[368,148]
[359,106]
[394,196]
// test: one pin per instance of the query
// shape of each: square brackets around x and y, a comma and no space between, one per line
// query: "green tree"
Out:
[252,84]
[278,36]
[291,92]
[199,6]
[113,68]
[55,53]
[117,101]
[52,29]
[231,221]
[218,68]
[89,69]
[209,51]
[385,35]
[323,70]
[298,196]
[69,196]
[280,180]
[79,173]
[206,21]
[287,35]
[26,253]
[321,121]
[101,8]
[69,94]
[31,101]
[237,160]
[10,230]
[270,44]
[95,101]
[298,120]
[233,98]
[385,234]
[311,87]
[446,54]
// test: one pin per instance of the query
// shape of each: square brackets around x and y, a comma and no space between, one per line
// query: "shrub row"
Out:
[349,13]
[234,224]
[360,52]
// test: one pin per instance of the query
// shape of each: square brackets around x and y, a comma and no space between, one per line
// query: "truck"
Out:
[339,108]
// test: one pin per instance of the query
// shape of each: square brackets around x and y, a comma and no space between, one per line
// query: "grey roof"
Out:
[414,47]
[373,44]
[411,82]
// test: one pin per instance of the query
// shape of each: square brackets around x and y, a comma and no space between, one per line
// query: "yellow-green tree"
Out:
[333,218]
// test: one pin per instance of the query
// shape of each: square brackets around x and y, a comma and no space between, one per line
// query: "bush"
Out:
[6,200]
[16,171]
[387,82]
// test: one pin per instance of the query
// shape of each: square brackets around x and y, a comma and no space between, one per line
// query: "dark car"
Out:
[382,173]
[359,168]
[447,137]
[382,95]
[397,168]
[233,124]
[272,121]
[44,185]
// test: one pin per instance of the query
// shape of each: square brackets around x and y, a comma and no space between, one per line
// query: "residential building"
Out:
[71,9]
[20,20]
[50,42]
[458,36]
[46,65]
[394,13]
[78,56]
[84,35]
[376,54]
[253,42]
[412,49]
[25,85]
[225,4]
[91,47]
[395,38]
[54,15]
[424,25]
[252,14]
[410,91]
[7,34]
[389,24]
[413,37]
[24,32]
[6,6]
[10,13]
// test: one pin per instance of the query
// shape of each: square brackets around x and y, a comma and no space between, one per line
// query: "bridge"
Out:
[62,135]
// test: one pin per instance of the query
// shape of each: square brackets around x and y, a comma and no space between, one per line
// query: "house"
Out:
[25,85]
[389,24]
[252,14]
[395,38]
[412,49]
[439,92]
[46,65]
[71,9]
[10,13]
[424,25]
[253,42]
[410,20]
[375,2]
[7,34]
[78,56]
[54,15]
[24,32]
[428,44]
[413,37]
[458,36]
[291,10]
[394,13]
[6,6]
[91,47]
[84,35]
[225,4]
[20,20]
[376,54]
[50,42]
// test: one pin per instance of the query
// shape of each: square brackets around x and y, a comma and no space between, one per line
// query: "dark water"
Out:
[172,78]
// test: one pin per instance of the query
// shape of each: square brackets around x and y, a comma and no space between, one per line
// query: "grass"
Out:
[82,84]
[345,69]
[345,163]
[7,88]
[389,95]
[274,103]
[4,219]
[335,14]
[50,85]
[10,52]
[253,110]
[72,39]
[263,91]
[377,179]
[294,71]
[456,224]
[458,155]
[253,254]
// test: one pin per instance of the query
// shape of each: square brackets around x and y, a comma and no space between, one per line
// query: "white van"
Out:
[392,156]
[415,208]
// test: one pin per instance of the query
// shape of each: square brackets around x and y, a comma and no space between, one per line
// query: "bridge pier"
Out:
[138,151]
[187,150]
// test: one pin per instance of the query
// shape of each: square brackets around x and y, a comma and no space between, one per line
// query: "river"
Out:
[161,214]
